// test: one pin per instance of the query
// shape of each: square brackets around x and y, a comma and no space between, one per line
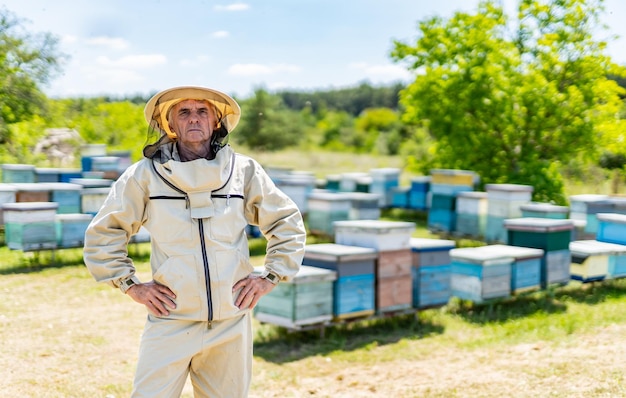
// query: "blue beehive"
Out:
[354,288]
[400,197]
[383,180]
[479,274]
[67,195]
[611,228]
[526,266]
[418,195]
[431,271]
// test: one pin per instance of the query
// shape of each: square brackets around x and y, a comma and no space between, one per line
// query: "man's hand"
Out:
[154,296]
[252,289]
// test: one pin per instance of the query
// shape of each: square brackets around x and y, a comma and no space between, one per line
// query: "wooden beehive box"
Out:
[541,233]
[611,228]
[307,299]
[431,285]
[91,199]
[18,173]
[354,288]
[7,195]
[479,274]
[589,260]
[71,228]
[30,225]
[394,280]
[544,210]
[418,196]
[526,266]
[364,206]
[380,235]
[325,208]
[430,252]
[32,192]
[67,195]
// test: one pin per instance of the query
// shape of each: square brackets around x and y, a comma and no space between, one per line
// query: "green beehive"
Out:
[307,299]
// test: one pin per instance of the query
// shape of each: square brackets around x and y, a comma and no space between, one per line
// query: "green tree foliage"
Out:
[266,124]
[27,61]
[353,100]
[511,103]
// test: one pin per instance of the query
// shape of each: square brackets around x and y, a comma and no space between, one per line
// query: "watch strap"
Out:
[271,276]
[126,283]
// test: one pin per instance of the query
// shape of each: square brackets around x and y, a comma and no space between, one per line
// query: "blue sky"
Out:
[132,47]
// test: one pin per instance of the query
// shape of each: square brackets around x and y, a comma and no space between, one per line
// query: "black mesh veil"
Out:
[156,113]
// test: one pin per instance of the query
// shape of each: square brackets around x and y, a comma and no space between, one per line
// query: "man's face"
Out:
[193,121]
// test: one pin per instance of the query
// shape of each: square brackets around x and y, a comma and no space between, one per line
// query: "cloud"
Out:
[132,61]
[232,7]
[259,69]
[114,43]
[220,34]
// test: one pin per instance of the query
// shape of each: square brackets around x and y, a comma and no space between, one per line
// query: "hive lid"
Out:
[537,224]
[29,206]
[332,251]
[517,252]
[509,187]
[380,226]
[590,246]
[612,217]
[428,244]
[481,255]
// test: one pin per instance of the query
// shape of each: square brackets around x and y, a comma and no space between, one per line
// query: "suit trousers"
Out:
[217,359]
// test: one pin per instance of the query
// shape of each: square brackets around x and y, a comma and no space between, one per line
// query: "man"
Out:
[196,197]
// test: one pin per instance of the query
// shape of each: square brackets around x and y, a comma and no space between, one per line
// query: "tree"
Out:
[266,124]
[27,61]
[512,103]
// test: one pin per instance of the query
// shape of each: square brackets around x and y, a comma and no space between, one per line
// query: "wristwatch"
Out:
[126,283]
[271,276]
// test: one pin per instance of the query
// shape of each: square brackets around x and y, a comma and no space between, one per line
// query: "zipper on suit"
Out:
[205,263]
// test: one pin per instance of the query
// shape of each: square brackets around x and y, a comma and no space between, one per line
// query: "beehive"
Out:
[550,235]
[589,260]
[544,210]
[503,202]
[67,195]
[30,225]
[354,288]
[394,280]
[418,195]
[307,299]
[611,228]
[526,266]
[479,274]
[325,208]
[18,173]
[471,214]
[70,229]
[431,271]
[380,235]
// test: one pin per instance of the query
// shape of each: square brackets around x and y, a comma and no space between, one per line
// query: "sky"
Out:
[138,47]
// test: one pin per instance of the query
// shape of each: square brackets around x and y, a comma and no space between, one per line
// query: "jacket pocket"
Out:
[169,219]
[231,267]
[229,221]
[180,274]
